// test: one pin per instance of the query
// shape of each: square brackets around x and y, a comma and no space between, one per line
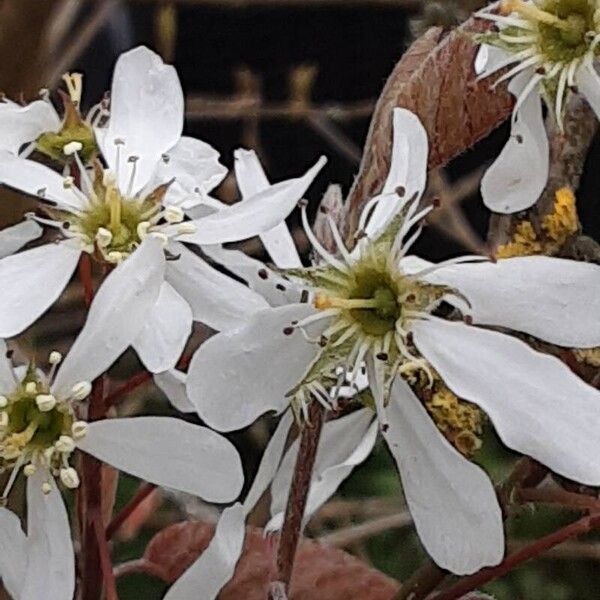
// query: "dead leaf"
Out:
[320,573]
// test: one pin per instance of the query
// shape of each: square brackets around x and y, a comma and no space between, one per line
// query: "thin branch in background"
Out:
[110,588]
[142,493]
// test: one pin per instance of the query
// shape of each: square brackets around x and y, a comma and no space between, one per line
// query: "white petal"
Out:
[13,553]
[253,216]
[215,299]
[551,298]
[170,453]
[37,180]
[216,564]
[518,176]
[165,332]
[408,168]
[489,59]
[172,384]
[238,375]
[31,281]
[344,444]
[15,237]
[7,378]
[194,167]
[269,461]
[117,314]
[588,84]
[276,290]
[146,114]
[51,567]
[538,407]
[451,500]
[23,124]
[251,179]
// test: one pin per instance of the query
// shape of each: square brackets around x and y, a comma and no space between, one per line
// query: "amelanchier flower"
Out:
[42,423]
[154,175]
[550,49]
[400,317]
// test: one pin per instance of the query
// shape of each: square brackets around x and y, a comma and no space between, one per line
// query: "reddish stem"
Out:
[142,493]
[105,561]
[468,584]
[85,276]
[137,380]
[294,512]
[91,577]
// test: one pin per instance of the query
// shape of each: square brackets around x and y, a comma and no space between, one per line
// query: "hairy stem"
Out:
[294,513]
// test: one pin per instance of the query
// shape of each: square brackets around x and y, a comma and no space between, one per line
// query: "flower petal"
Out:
[408,169]
[253,216]
[172,384]
[146,115]
[51,567]
[165,332]
[37,180]
[588,84]
[251,180]
[31,281]
[24,124]
[276,290]
[194,168]
[551,298]
[518,176]
[215,299]
[13,553]
[168,452]
[238,375]
[269,461]
[120,309]
[7,375]
[538,407]
[15,237]
[451,500]
[490,59]
[344,444]
[216,564]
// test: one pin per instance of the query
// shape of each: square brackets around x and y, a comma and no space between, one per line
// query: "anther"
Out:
[519,138]
[65,444]
[187,227]
[3,401]
[4,419]
[401,191]
[133,158]
[163,238]
[302,203]
[114,257]
[41,192]
[45,402]
[437,202]
[288,330]
[142,229]
[468,319]
[280,287]
[29,470]
[263,274]
[68,182]
[46,488]
[72,147]
[174,214]
[81,390]
[381,356]
[79,429]
[103,237]
[323,341]
[55,357]
[69,478]
[31,387]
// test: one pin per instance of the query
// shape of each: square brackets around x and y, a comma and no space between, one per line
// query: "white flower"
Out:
[162,450]
[551,47]
[154,176]
[378,307]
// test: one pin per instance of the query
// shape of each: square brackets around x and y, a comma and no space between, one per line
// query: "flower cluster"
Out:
[382,340]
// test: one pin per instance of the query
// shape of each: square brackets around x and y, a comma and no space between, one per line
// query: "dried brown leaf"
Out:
[320,572]
[434,79]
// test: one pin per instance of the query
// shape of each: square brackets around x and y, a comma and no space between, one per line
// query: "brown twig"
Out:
[425,579]
[140,565]
[473,582]
[294,513]
[105,560]
[142,493]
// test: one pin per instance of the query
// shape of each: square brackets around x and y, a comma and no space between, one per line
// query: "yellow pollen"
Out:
[534,13]
[74,83]
[14,443]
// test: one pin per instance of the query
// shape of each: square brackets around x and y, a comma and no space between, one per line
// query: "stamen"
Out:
[74,83]
[534,13]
